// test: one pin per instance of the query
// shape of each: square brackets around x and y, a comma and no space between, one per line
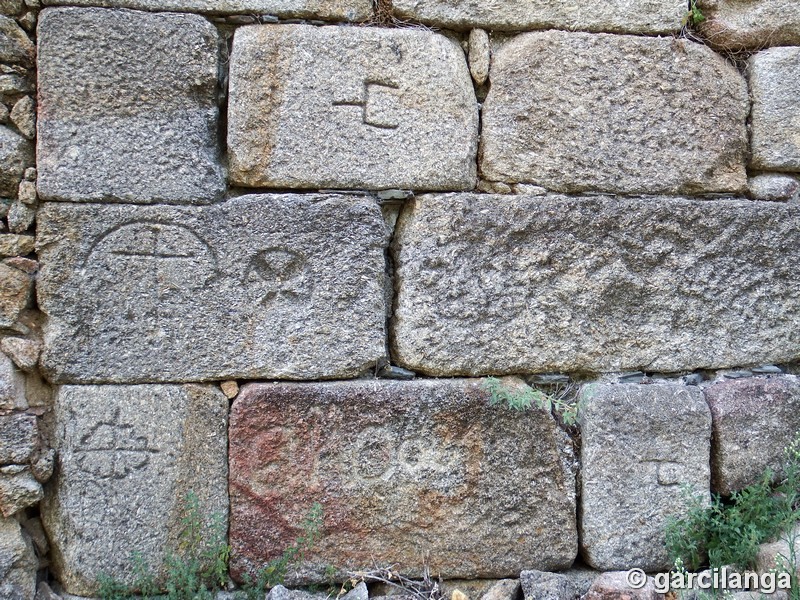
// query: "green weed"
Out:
[526,398]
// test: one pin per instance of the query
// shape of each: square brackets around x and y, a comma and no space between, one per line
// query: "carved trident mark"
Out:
[366,118]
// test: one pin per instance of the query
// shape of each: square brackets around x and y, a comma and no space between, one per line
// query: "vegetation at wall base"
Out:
[521,400]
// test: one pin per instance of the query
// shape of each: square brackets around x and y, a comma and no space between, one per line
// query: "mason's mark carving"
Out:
[374,92]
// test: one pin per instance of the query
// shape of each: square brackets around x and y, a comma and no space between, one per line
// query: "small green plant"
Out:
[275,570]
[694,16]
[524,399]
[729,532]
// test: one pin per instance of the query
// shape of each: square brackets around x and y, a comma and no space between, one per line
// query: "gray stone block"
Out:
[615,16]
[12,385]
[127,107]
[18,563]
[336,10]
[16,155]
[642,448]
[541,284]
[754,421]
[394,109]
[263,286]
[775,89]
[654,116]
[19,438]
[127,458]
[402,470]
[734,25]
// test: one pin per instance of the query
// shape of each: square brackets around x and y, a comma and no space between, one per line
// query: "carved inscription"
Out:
[379,102]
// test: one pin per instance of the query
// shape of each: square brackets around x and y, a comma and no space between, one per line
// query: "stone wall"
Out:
[265,251]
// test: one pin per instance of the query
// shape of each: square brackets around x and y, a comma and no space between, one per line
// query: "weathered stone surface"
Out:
[24,353]
[127,107]
[16,154]
[23,115]
[11,7]
[775,88]
[18,489]
[540,585]
[515,284]
[20,217]
[16,290]
[395,109]
[750,25]
[754,420]
[614,586]
[777,555]
[469,589]
[17,563]
[642,448]
[127,458]
[505,589]
[19,438]
[347,10]
[617,16]
[272,286]
[12,244]
[479,55]
[656,116]
[402,469]
[12,385]
[774,187]
[15,46]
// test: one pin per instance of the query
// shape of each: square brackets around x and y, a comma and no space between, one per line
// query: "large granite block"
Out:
[520,284]
[403,470]
[346,10]
[574,112]
[616,16]
[754,421]
[127,458]
[127,107]
[342,107]
[273,286]
[736,25]
[775,119]
[643,448]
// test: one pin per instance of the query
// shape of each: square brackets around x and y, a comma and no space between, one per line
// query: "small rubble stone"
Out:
[24,352]
[43,592]
[28,21]
[642,448]
[127,107]
[16,154]
[20,217]
[11,7]
[19,438]
[505,589]
[12,244]
[27,192]
[281,593]
[396,109]
[525,284]
[13,84]
[774,187]
[472,589]
[4,113]
[43,465]
[15,45]
[23,115]
[279,286]
[614,586]
[438,471]
[30,174]
[12,385]
[122,480]
[754,420]
[18,490]
[539,585]
[33,527]
[775,89]
[734,25]
[479,55]
[639,125]
[16,291]
[776,555]
[17,562]
[658,16]
[582,578]
[230,389]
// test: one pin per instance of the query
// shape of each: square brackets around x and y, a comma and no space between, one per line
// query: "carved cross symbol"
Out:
[373,90]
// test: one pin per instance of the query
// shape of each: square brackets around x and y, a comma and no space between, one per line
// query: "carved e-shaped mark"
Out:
[374,91]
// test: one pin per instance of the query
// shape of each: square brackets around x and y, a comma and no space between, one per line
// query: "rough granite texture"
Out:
[615,16]
[775,89]
[12,385]
[336,10]
[19,438]
[262,286]
[16,155]
[127,458]
[127,107]
[520,284]
[16,292]
[394,109]
[754,420]
[614,586]
[574,112]
[18,562]
[402,470]
[642,448]
[750,24]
